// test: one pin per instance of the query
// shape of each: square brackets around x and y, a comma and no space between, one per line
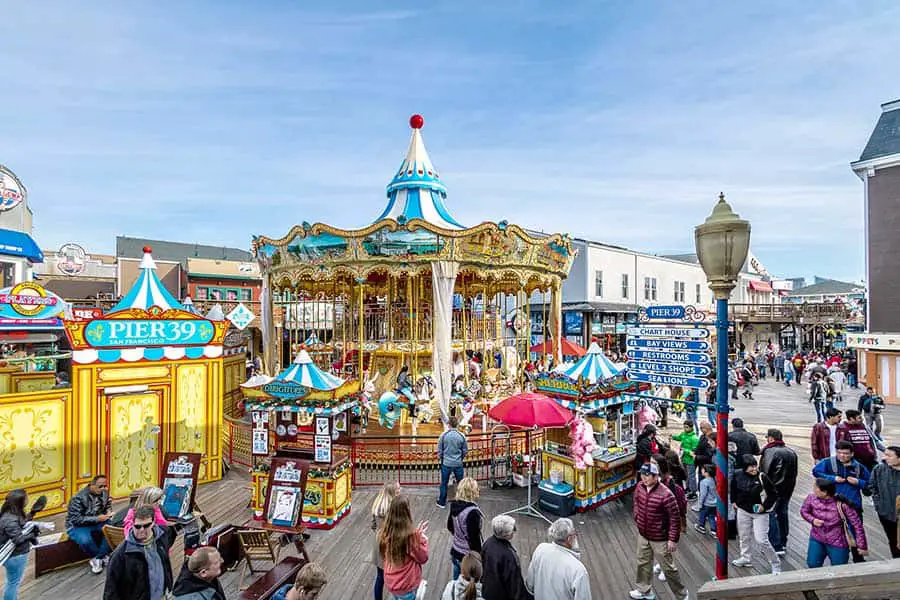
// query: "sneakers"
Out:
[701,529]
[776,569]
[657,570]
[781,553]
[104,561]
[439,505]
[742,562]
[639,595]
[96,565]
[695,508]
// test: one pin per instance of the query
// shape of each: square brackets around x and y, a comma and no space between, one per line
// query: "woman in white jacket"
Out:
[468,585]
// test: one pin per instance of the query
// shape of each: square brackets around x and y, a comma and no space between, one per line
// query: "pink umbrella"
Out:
[531,410]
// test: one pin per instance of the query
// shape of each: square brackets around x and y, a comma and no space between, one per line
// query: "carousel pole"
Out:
[544,325]
[465,329]
[362,325]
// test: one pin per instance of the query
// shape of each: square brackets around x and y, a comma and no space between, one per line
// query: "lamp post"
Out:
[722,243]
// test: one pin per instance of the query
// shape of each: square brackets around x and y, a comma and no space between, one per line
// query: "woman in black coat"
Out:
[13,530]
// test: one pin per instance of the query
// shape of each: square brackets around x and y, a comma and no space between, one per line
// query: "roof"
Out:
[129,247]
[608,307]
[830,287]
[230,269]
[885,138]
[416,191]
[147,291]
[78,287]
[687,257]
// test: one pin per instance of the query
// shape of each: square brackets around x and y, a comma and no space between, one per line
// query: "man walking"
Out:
[837,382]
[824,435]
[779,463]
[818,395]
[778,363]
[452,449]
[199,578]
[140,569]
[746,441]
[556,571]
[658,521]
[88,511]
[849,475]
[885,489]
[870,405]
[855,431]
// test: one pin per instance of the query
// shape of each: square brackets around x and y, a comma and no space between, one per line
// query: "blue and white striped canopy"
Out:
[303,371]
[148,291]
[593,366]
[416,191]
[189,305]
[312,340]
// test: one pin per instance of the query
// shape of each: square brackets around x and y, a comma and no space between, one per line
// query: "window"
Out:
[698,294]
[215,294]
[202,293]
[679,291]
[231,295]
[598,283]
[624,285]
[246,295]
[649,288]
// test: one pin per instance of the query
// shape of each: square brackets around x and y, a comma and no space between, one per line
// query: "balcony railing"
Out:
[811,313]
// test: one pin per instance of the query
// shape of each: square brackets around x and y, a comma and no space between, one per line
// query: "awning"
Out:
[16,243]
[761,286]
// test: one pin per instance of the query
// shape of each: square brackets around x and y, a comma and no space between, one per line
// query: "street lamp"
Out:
[722,243]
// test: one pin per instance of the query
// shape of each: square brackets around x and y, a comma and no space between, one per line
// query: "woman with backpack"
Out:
[836,526]
[464,523]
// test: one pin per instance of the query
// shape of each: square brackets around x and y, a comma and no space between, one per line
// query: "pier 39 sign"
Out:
[125,333]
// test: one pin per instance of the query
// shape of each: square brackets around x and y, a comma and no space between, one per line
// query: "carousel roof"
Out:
[148,291]
[305,372]
[593,366]
[416,191]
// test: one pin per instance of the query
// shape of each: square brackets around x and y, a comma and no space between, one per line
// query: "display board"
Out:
[178,481]
[286,492]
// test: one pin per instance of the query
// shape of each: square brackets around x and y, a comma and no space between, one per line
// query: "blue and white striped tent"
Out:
[148,291]
[189,306]
[593,366]
[416,191]
[303,371]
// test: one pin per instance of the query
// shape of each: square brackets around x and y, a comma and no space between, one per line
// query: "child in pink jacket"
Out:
[404,549]
[828,514]
[149,496]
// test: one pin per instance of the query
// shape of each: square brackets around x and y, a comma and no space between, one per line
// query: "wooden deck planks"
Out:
[607,535]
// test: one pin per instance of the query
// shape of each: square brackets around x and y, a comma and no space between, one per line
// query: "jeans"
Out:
[379,584]
[457,566]
[458,474]
[407,596]
[733,389]
[820,411]
[86,537]
[851,380]
[890,530]
[816,553]
[281,594]
[691,478]
[15,569]
[875,423]
[753,531]
[779,373]
[707,513]
[779,525]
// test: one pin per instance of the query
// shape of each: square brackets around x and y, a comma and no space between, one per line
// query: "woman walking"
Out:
[755,495]
[379,511]
[835,526]
[464,523]
[404,549]
[13,529]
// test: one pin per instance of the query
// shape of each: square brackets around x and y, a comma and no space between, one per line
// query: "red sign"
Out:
[86,314]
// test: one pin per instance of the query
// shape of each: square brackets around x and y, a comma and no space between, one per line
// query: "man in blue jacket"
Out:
[452,449]
[850,476]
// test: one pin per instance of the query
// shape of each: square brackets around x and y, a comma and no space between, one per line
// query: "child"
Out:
[404,548]
[688,439]
[468,585]
[708,501]
[380,507]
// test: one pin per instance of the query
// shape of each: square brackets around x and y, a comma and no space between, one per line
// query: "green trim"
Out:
[234,277]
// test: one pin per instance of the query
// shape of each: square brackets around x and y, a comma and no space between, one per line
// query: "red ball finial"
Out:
[147,249]
[416,121]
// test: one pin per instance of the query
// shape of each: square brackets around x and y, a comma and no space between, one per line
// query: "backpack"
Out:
[877,403]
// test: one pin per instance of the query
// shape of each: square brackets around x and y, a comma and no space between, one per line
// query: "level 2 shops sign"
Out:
[126,333]
[240,316]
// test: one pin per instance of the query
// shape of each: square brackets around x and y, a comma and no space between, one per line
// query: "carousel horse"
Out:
[389,406]
[365,402]
[424,395]
[467,410]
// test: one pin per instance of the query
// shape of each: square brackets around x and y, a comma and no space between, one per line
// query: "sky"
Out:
[212,121]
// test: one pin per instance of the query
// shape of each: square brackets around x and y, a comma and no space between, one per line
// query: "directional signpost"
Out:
[667,354]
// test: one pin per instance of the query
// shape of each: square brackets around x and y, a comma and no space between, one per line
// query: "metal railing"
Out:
[819,312]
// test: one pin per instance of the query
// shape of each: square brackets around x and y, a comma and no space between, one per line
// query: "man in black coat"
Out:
[139,568]
[746,442]
[199,578]
[502,572]
[779,463]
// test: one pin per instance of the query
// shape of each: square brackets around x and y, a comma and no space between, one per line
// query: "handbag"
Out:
[851,541]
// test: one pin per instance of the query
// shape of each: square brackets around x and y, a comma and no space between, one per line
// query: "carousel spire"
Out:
[416,191]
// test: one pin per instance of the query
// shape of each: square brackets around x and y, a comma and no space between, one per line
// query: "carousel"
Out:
[429,316]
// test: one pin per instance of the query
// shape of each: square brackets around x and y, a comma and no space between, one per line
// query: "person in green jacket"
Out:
[688,440]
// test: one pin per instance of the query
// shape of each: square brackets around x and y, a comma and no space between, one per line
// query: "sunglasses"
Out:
[144,526]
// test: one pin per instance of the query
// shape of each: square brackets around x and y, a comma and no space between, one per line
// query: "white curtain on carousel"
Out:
[268,349]
[443,279]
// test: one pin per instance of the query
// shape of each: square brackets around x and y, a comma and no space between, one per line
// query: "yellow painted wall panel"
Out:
[190,408]
[32,442]
[85,441]
[132,374]
[134,442]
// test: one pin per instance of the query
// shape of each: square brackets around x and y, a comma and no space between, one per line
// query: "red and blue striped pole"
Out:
[722,412]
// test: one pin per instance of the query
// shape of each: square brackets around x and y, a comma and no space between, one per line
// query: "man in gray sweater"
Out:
[452,449]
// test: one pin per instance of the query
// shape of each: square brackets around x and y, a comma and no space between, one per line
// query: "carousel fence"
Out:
[236,436]
[413,460]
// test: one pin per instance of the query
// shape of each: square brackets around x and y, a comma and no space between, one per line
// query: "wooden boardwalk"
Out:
[607,535]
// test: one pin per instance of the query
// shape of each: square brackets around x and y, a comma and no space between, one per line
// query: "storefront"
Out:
[879,362]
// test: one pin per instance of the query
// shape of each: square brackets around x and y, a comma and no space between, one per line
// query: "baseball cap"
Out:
[649,469]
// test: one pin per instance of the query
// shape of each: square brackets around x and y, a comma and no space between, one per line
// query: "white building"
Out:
[18,251]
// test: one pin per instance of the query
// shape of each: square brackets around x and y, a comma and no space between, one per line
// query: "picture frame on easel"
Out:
[285,492]
[178,481]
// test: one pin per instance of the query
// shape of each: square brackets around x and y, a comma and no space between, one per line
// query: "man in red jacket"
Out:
[855,431]
[659,528]
[824,435]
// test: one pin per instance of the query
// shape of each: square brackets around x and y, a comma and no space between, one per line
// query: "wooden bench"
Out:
[281,574]
[59,555]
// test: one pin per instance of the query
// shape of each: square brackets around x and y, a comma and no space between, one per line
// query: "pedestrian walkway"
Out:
[607,536]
